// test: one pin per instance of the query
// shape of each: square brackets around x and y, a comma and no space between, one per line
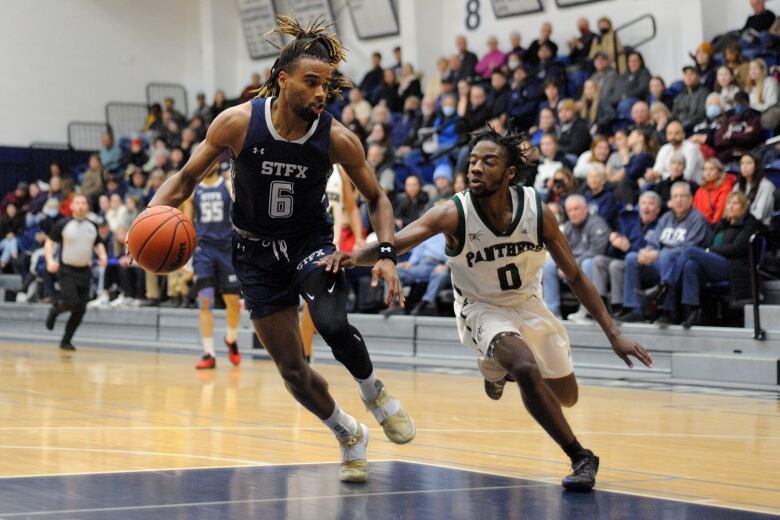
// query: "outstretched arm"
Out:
[560,251]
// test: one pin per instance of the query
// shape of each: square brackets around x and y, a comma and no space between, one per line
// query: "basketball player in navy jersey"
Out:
[283,146]
[213,265]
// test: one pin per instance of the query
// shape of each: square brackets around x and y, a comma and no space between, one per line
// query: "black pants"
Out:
[74,295]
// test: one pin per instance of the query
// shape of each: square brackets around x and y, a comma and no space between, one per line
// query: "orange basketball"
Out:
[161,239]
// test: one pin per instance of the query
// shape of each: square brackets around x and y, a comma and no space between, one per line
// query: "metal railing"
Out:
[634,24]
[157,92]
[86,135]
[126,119]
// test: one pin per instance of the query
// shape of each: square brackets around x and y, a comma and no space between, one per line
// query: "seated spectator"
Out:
[137,186]
[360,106]
[433,85]
[455,72]
[634,227]
[442,184]
[498,99]
[250,91]
[92,184]
[546,126]
[117,213]
[492,60]
[515,47]
[600,197]
[220,105]
[676,142]
[132,279]
[597,115]
[658,93]
[626,180]
[620,157]
[387,92]
[405,126]
[467,59]
[710,198]
[560,186]
[732,58]
[169,105]
[136,155]
[188,141]
[574,136]
[579,46]
[587,235]
[383,168]
[176,160]
[474,112]
[547,68]
[598,154]
[523,100]
[373,77]
[762,88]
[726,86]
[656,263]
[660,116]
[739,130]
[703,134]
[68,191]
[411,203]
[380,134]
[445,125]
[756,187]
[706,65]
[37,199]
[349,120]
[761,19]
[640,117]
[426,258]
[11,228]
[408,84]
[532,55]
[552,95]
[676,175]
[110,154]
[552,160]
[604,75]
[689,104]
[19,197]
[631,86]
[725,259]
[607,41]
[201,109]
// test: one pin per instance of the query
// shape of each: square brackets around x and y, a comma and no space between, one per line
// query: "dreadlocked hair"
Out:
[315,42]
[515,145]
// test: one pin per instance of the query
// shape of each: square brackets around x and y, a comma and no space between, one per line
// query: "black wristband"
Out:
[387,251]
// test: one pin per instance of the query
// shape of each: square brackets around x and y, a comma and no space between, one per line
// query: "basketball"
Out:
[161,239]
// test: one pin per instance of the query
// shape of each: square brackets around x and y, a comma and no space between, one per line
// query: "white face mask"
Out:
[513,64]
[448,110]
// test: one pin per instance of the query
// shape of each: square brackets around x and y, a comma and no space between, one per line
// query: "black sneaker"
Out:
[67,345]
[630,315]
[665,319]
[656,294]
[495,389]
[583,476]
[51,318]
[694,318]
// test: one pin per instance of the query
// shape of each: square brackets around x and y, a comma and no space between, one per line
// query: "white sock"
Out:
[231,334]
[340,423]
[369,387]
[208,346]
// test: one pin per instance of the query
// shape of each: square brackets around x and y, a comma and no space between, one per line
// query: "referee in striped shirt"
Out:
[78,238]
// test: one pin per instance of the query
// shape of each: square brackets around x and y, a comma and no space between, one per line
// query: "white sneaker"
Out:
[581,316]
[119,301]
[354,465]
[395,421]
[100,301]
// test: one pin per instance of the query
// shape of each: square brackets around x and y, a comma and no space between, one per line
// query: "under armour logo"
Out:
[385,249]
[256,149]
[475,236]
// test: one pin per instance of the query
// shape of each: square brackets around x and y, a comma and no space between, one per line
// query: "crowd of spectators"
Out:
[654,180]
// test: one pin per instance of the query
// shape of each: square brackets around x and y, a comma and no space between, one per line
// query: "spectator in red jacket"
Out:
[710,198]
[740,130]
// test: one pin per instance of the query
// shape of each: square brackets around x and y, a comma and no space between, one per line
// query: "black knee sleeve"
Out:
[326,296]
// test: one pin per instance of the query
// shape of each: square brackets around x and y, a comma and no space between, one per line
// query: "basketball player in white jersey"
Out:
[498,235]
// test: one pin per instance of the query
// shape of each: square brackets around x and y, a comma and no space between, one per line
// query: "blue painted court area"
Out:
[396,490]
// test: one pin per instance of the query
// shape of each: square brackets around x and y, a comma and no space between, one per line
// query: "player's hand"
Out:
[53,266]
[130,260]
[385,269]
[625,346]
[338,260]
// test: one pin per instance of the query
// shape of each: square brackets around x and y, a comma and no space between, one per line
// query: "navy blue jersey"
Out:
[279,185]
[212,212]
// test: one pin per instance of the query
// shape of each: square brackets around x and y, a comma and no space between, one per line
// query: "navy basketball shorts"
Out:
[271,271]
[213,266]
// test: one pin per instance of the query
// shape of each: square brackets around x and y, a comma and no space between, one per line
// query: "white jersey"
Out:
[498,268]
[334,189]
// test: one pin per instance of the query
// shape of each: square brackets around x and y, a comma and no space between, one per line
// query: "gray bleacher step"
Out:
[771,292]
[769,314]
[764,370]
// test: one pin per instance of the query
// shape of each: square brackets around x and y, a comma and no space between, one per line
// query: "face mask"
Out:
[448,111]
[52,212]
[513,64]
[603,30]
[713,111]
[740,108]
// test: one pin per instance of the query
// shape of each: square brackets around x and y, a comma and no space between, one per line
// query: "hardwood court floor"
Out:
[113,410]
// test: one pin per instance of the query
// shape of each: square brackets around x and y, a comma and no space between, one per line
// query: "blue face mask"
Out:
[713,111]
[740,108]
[52,212]
[448,111]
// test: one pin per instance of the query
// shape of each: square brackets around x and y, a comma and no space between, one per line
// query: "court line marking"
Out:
[133,452]
[426,430]
[268,500]
[701,501]
[183,468]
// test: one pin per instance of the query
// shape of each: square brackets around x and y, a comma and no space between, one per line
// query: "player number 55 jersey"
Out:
[500,268]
